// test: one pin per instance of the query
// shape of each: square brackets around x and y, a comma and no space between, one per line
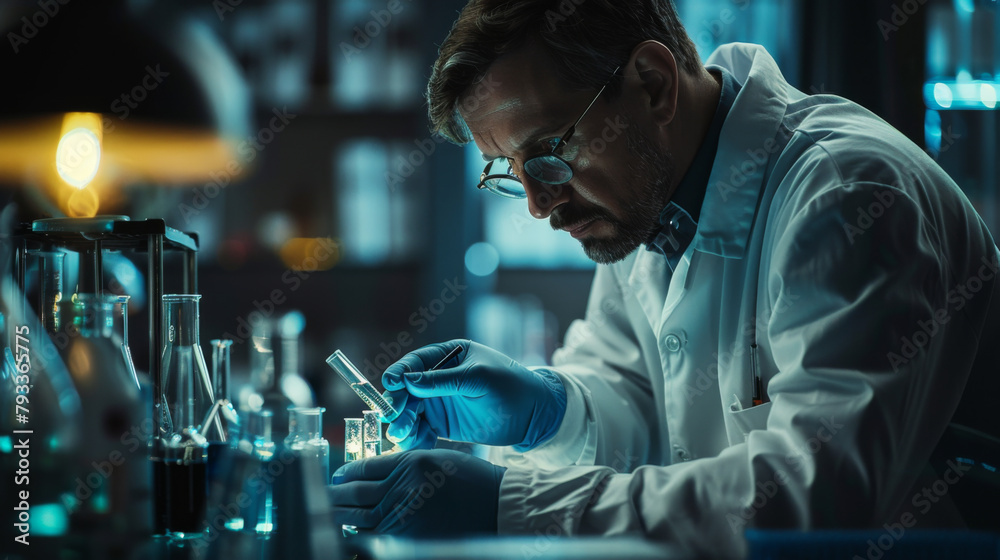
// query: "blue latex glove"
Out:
[418,494]
[480,396]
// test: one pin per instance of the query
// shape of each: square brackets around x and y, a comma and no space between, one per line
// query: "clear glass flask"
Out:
[305,438]
[180,456]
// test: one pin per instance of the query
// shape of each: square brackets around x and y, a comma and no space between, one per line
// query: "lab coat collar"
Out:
[747,145]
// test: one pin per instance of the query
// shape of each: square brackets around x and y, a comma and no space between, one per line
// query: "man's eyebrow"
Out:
[533,138]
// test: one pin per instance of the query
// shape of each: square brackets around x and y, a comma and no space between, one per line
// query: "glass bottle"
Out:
[180,455]
[305,438]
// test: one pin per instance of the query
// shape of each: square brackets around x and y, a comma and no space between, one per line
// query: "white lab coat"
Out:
[838,242]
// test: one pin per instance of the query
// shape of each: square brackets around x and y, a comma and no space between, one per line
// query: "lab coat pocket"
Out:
[741,421]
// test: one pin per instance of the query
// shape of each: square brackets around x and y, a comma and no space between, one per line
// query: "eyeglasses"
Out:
[547,168]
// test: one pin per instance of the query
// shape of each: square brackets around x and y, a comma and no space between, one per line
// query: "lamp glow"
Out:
[78,157]
[942,94]
[988,95]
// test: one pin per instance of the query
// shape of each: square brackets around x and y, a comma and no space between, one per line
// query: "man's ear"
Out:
[654,73]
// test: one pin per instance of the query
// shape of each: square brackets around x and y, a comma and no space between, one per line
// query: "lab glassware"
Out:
[371,430]
[353,441]
[50,277]
[360,385]
[112,408]
[180,455]
[221,425]
[305,438]
[260,516]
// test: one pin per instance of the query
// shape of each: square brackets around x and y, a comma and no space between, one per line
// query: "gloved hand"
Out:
[418,493]
[480,396]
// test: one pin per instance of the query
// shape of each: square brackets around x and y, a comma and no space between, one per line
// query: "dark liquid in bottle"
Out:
[181,496]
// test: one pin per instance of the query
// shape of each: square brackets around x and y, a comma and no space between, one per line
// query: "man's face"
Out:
[621,178]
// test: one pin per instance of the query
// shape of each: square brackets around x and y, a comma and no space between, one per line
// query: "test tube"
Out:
[353,440]
[371,429]
[361,386]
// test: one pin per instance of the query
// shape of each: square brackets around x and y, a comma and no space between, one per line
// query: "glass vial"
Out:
[352,439]
[305,438]
[371,430]
[260,516]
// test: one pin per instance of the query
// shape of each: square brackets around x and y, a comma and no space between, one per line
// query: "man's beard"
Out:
[652,173]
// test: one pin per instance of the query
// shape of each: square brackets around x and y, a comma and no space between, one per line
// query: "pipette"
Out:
[368,393]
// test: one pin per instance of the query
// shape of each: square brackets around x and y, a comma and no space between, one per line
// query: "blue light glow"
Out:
[988,95]
[942,95]
[932,132]
[957,94]
[49,520]
[482,259]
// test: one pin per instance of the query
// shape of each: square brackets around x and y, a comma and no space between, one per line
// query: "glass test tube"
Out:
[349,373]
[352,439]
[371,430]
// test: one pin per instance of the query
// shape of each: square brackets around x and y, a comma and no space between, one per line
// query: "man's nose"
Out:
[543,197]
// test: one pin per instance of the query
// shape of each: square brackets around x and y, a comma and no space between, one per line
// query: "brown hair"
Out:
[587,40]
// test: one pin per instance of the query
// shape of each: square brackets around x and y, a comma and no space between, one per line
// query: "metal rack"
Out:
[91,237]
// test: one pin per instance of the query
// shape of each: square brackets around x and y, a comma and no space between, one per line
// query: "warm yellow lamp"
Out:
[97,100]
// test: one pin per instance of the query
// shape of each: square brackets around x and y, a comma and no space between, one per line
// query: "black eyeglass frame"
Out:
[552,157]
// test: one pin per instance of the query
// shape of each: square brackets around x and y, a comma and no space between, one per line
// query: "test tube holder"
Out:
[91,237]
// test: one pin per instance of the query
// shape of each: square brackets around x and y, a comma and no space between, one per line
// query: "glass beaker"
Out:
[180,454]
[305,438]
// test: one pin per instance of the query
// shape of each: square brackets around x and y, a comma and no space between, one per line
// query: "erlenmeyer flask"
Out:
[180,455]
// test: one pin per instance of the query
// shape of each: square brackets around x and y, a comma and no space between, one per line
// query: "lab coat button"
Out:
[673,342]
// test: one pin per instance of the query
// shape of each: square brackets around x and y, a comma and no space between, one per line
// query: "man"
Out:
[789,302]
